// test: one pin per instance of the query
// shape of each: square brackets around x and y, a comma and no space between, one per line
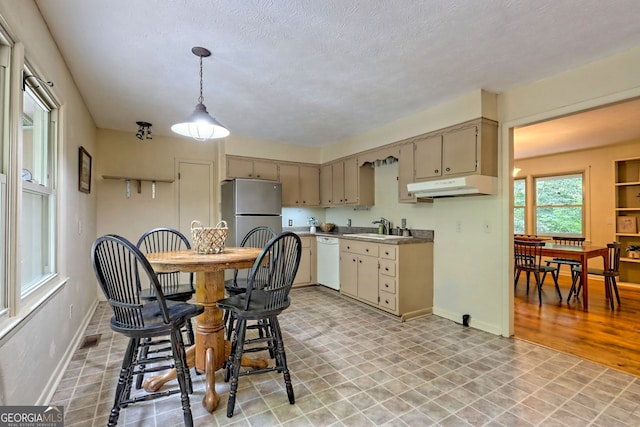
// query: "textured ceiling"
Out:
[314,72]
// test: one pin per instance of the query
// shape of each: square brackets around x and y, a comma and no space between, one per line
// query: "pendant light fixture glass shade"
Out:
[199,125]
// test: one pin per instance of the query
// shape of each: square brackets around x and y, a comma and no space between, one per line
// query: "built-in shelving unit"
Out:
[139,181]
[627,212]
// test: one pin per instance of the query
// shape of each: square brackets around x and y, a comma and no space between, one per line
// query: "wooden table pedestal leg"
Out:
[211,398]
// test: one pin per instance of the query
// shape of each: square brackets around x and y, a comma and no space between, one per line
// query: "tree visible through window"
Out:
[559,205]
[519,206]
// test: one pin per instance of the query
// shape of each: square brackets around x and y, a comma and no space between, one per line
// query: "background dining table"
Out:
[580,253]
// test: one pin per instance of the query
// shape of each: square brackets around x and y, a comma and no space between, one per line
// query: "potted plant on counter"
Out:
[633,250]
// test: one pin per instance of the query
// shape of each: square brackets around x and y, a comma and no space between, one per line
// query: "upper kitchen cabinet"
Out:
[359,183]
[337,182]
[326,185]
[243,167]
[465,149]
[345,182]
[300,184]
[406,173]
[428,157]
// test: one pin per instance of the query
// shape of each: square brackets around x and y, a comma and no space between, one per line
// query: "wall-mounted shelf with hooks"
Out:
[128,180]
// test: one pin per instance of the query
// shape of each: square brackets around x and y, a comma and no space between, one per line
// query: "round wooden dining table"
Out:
[210,350]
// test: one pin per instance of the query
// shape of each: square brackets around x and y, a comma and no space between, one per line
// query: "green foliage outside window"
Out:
[519,202]
[559,205]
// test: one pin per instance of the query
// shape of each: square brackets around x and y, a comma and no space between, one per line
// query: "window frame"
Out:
[18,306]
[46,191]
[523,207]
[535,206]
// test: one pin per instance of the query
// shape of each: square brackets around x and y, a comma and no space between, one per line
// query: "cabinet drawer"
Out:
[387,301]
[388,268]
[388,252]
[387,284]
[362,248]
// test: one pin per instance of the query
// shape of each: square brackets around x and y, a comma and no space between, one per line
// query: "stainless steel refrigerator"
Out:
[248,203]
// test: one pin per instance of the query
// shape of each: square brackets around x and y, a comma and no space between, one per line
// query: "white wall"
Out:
[34,354]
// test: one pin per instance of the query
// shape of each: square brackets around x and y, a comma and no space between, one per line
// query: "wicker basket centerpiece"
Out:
[209,240]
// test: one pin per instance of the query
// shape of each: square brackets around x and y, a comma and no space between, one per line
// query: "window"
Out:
[38,207]
[519,206]
[559,205]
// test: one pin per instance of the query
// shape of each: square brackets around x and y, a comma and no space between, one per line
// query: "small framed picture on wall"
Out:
[84,171]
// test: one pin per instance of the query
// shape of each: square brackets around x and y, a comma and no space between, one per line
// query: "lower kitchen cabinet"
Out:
[306,274]
[395,278]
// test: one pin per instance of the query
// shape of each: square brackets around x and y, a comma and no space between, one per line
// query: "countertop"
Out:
[418,236]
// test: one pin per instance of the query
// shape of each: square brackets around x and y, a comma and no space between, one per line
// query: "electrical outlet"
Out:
[404,222]
[487,227]
[290,223]
[458,226]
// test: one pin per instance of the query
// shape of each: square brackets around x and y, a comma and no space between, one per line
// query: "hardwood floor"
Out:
[601,335]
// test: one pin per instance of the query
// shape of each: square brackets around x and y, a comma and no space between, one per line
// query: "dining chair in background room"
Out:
[559,261]
[516,271]
[255,238]
[609,275]
[119,266]
[175,287]
[528,259]
[263,301]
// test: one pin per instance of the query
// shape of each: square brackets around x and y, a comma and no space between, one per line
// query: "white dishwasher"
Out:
[328,261]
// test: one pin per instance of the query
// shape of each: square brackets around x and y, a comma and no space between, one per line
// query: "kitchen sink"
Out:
[377,236]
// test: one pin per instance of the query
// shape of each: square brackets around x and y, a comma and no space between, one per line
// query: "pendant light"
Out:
[199,125]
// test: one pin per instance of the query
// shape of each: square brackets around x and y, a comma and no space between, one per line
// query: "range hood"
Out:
[459,186]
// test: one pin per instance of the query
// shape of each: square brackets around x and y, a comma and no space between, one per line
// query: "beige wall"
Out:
[122,154]
[34,354]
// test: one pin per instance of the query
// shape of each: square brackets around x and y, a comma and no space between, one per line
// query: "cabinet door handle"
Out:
[386,253]
[366,250]
[448,169]
[360,261]
[436,171]
[386,269]
[386,285]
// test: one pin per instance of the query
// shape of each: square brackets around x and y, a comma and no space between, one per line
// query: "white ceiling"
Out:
[314,72]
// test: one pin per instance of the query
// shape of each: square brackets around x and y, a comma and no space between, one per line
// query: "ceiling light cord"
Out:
[201,98]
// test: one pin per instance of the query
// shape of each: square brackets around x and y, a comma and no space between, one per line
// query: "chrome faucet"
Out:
[386,225]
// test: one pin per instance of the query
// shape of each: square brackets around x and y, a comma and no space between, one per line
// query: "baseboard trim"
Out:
[56,376]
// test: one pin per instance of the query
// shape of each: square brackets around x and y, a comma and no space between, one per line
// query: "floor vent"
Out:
[91,341]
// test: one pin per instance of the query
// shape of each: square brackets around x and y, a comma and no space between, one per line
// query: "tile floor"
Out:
[352,366]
